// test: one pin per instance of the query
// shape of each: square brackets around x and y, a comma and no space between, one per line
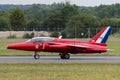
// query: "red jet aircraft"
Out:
[65,46]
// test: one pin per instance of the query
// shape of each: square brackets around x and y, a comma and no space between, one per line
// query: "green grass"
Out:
[112,44]
[59,71]
[115,48]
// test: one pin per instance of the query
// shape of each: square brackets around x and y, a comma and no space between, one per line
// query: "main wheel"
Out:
[66,56]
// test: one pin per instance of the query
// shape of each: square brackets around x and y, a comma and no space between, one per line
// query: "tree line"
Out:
[60,15]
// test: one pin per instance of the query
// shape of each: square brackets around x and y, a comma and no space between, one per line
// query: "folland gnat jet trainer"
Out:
[65,46]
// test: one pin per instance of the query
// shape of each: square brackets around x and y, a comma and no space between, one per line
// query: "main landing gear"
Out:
[64,56]
[36,56]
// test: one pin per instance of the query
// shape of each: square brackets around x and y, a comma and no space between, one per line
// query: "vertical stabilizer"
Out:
[102,36]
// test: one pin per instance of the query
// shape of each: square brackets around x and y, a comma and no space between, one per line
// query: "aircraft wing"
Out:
[69,45]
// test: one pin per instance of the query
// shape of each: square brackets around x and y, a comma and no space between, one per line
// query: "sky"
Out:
[77,2]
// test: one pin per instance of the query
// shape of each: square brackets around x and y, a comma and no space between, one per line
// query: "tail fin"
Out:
[102,36]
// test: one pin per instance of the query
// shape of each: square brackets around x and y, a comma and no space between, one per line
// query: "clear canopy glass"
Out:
[41,39]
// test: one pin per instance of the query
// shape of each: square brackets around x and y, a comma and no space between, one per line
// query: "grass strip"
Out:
[59,71]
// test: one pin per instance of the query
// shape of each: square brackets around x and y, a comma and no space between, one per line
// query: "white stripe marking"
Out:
[99,40]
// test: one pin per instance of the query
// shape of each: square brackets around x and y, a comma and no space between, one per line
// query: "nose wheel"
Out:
[36,56]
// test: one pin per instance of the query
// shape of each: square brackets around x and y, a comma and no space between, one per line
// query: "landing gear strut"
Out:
[36,56]
[64,56]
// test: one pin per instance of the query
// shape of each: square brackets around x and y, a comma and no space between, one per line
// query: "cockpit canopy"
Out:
[41,39]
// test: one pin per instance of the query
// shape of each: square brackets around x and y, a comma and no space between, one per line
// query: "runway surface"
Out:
[56,59]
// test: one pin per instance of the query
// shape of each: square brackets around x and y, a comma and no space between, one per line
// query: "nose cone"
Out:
[21,46]
[16,46]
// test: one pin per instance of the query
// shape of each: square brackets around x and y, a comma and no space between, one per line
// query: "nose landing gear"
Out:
[36,55]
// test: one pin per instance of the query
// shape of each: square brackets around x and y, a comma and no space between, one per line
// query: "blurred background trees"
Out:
[17,19]
[62,17]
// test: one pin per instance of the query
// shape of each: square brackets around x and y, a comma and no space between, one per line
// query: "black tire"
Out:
[36,56]
[62,57]
[66,56]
